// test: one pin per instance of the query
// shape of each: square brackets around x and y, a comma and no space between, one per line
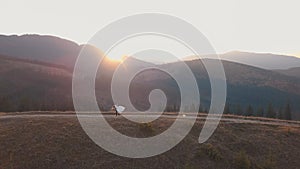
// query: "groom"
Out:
[115,109]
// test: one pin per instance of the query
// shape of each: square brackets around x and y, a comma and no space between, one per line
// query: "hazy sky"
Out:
[253,25]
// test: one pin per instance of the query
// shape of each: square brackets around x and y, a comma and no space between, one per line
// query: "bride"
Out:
[118,109]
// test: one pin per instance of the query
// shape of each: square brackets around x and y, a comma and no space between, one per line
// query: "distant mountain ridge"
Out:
[294,72]
[261,60]
[49,49]
[44,82]
[64,52]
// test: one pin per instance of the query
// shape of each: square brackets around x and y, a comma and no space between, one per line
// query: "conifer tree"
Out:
[288,112]
[270,111]
[249,111]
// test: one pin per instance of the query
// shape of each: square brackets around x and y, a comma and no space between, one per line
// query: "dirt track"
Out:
[201,116]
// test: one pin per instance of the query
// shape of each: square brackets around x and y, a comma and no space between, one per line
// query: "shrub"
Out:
[146,127]
[269,162]
[211,151]
[241,161]
[188,166]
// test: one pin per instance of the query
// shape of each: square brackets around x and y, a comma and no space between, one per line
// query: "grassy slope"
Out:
[61,143]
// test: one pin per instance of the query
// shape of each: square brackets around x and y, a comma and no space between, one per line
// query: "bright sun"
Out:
[119,59]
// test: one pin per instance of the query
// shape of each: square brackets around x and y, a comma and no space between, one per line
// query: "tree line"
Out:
[65,104]
[28,104]
[270,111]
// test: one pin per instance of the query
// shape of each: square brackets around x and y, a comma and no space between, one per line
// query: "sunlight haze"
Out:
[258,26]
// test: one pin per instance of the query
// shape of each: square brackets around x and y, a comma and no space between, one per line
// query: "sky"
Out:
[253,25]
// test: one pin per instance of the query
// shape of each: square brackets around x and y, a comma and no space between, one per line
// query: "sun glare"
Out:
[295,54]
[115,59]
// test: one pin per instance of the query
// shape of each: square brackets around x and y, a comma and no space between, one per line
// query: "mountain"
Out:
[48,49]
[38,76]
[245,84]
[26,85]
[64,52]
[261,60]
[294,72]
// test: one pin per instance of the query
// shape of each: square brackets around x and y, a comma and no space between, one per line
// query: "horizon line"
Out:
[297,55]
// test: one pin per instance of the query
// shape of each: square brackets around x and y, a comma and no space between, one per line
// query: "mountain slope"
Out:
[48,49]
[294,72]
[245,84]
[41,79]
[34,86]
[27,85]
[262,60]
[55,50]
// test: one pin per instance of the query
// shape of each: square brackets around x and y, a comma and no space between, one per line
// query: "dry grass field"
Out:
[60,142]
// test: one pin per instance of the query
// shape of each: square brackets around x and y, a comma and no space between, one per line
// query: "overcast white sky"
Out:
[253,25]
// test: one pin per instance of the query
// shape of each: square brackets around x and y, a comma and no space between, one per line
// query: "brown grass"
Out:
[34,143]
